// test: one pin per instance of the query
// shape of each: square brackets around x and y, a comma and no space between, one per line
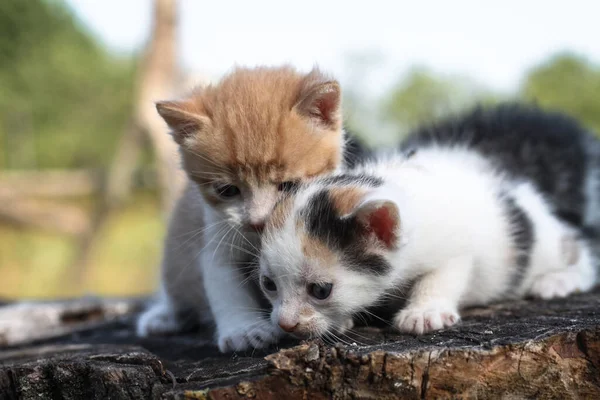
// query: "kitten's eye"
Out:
[287,186]
[320,291]
[227,191]
[268,284]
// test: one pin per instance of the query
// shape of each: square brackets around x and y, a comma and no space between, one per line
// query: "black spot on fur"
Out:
[550,149]
[523,237]
[357,259]
[324,223]
[341,234]
[410,152]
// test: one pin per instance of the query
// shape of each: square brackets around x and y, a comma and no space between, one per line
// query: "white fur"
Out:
[455,240]
[160,319]
[213,284]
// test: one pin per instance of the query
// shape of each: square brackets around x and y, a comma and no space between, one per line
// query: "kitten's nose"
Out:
[258,226]
[288,327]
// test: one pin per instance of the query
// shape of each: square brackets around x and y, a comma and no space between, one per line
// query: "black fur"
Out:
[341,234]
[355,151]
[547,148]
[523,237]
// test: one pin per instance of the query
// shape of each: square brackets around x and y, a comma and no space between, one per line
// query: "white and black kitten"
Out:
[498,203]
[444,225]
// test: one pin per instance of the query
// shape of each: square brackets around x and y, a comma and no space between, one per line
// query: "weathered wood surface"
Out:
[525,349]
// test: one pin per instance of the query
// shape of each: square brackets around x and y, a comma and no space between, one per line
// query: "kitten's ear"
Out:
[321,98]
[183,117]
[380,219]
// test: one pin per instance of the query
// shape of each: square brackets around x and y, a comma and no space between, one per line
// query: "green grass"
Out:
[125,259]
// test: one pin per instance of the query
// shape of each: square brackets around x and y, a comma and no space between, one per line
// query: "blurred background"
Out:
[88,173]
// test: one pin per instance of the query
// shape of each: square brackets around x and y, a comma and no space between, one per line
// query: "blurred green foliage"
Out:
[124,261]
[64,98]
[569,83]
[64,102]
[421,96]
[565,82]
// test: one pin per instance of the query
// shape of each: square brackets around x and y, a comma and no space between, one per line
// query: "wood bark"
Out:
[517,350]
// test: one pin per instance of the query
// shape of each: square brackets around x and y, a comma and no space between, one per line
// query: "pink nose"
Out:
[258,226]
[288,327]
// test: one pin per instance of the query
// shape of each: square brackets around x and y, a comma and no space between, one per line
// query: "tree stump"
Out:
[86,349]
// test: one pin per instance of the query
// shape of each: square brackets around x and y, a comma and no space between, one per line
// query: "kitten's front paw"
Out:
[158,320]
[256,335]
[556,284]
[347,325]
[425,318]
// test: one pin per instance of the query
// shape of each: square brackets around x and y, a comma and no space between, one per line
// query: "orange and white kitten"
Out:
[244,142]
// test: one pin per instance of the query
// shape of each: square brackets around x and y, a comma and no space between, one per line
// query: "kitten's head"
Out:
[256,134]
[325,254]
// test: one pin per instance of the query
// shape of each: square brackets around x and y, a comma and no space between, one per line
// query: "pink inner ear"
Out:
[327,105]
[383,225]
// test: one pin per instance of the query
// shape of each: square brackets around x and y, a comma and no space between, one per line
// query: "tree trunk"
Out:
[159,76]
[514,350]
[158,72]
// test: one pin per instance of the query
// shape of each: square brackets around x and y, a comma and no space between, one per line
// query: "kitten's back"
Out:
[547,148]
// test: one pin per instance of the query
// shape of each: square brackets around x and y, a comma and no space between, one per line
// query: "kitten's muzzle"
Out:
[289,328]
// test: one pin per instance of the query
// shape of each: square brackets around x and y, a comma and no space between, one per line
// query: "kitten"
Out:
[443,222]
[244,143]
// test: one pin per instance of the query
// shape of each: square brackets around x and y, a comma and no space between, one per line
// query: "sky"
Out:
[494,43]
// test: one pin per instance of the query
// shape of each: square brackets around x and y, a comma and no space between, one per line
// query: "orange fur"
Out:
[313,248]
[346,199]
[258,126]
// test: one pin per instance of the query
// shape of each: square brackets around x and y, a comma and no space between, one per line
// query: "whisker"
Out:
[377,317]
[207,173]
[194,258]
[193,231]
[246,239]
[354,333]
[198,232]
[219,244]
[338,339]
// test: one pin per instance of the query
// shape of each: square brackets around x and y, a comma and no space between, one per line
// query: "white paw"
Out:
[425,318]
[158,320]
[347,325]
[556,284]
[254,335]
[570,250]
